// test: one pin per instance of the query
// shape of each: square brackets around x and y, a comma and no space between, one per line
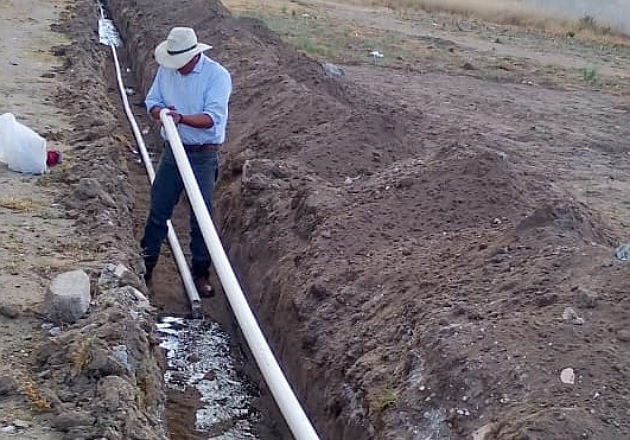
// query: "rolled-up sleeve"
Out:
[154,97]
[217,96]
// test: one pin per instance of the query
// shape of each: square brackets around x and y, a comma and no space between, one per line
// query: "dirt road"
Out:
[57,379]
[33,227]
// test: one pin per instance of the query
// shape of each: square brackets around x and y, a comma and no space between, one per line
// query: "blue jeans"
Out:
[165,193]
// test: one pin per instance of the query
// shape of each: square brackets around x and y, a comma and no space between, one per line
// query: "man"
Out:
[196,90]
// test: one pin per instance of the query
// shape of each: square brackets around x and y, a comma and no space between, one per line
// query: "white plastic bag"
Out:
[21,148]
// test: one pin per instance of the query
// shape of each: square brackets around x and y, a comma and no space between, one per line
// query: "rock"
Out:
[88,328]
[622,253]
[110,275]
[89,188]
[120,351]
[546,299]
[333,70]
[68,297]
[7,385]
[570,315]
[319,291]
[22,424]
[45,375]
[8,429]
[103,363]
[9,311]
[586,299]
[72,419]
[480,434]
[567,376]
[142,302]
[468,66]
[114,392]
[117,275]
[623,335]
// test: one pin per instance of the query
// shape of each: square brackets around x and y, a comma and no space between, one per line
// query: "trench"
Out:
[214,390]
[274,254]
[319,297]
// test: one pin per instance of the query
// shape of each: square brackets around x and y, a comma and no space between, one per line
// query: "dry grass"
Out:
[386,400]
[508,12]
[311,28]
[512,13]
[38,401]
[18,204]
[82,355]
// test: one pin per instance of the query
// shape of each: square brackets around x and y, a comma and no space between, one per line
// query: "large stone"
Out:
[68,297]
[7,385]
[72,419]
[333,70]
[114,393]
[9,311]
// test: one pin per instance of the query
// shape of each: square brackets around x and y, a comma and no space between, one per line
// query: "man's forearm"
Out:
[201,120]
[155,112]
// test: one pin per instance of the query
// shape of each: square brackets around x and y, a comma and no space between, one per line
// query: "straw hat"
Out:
[180,47]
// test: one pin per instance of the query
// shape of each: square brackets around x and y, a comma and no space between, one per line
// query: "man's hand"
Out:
[200,120]
[177,117]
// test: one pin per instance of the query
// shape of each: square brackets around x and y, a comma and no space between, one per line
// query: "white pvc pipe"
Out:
[288,403]
[180,259]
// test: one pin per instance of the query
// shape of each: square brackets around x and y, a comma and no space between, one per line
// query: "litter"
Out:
[622,253]
[22,149]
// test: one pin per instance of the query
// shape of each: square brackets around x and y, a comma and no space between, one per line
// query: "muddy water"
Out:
[199,357]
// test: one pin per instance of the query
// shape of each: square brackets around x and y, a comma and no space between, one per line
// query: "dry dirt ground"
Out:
[428,246]
[96,378]
[428,249]
[33,229]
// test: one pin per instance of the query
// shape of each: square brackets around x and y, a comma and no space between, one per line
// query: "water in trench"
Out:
[199,356]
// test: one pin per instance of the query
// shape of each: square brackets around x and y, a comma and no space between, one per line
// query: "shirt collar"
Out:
[199,66]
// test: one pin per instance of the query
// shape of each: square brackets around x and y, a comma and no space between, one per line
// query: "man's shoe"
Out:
[148,280]
[204,288]
[149,265]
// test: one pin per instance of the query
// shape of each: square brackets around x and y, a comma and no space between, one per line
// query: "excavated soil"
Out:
[411,243]
[97,377]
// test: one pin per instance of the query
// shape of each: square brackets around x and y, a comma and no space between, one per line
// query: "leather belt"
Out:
[199,148]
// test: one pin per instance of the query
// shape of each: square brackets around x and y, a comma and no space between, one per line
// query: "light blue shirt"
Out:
[206,90]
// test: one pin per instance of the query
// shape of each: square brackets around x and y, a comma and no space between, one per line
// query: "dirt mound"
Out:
[391,274]
[566,218]
[107,364]
[450,194]
[569,423]
[97,378]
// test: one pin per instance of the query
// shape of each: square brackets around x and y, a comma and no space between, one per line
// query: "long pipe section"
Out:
[288,403]
[180,259]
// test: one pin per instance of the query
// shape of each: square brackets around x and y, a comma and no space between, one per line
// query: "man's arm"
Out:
[196,121]
[200,120]
[217,97]
[154,101]
[215,108]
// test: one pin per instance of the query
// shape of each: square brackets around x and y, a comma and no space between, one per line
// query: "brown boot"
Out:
[149,265]
[204,288]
